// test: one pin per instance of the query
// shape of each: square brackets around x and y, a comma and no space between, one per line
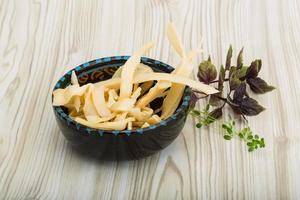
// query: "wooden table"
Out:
[40,40]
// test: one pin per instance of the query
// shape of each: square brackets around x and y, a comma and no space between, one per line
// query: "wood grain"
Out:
[41,39]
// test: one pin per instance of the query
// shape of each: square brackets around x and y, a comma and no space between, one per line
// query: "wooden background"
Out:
[41,39]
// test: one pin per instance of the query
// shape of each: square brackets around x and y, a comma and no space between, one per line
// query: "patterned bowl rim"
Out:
[186,99]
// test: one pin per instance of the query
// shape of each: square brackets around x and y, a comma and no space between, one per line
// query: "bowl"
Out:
[119,145]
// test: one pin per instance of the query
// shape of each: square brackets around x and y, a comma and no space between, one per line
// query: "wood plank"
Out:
[40,40]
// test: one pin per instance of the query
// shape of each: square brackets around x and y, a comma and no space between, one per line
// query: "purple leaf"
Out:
[259,86]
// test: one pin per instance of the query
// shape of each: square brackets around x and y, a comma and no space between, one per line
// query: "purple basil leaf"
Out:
[207,72]
[239,93]
[259,86]
[254,69]
[250,107]
[214,100]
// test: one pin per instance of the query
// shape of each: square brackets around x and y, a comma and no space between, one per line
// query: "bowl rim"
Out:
[186,98]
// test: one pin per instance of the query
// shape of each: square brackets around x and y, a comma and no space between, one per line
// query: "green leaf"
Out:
[262,143]
[216,113]
[209,120]
[206,109]
[228,58]
[259,86]
[234,80]
[250,107]
[195,112]
[231,70]
[227,137]
[229,127]
[229,131]
[221,78]
[254,69]
[198,125]
[207,72]
[240,59]
[251,149]
[225,126]
[242,73]
[209,59]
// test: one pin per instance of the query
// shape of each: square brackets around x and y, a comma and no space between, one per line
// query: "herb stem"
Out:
[224,104]
[244,117]
[222,98]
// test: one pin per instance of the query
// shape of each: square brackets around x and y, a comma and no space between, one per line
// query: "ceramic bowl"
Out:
[119,145]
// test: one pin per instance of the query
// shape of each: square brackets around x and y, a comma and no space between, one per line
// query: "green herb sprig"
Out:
[253,141]
[239,78]
[204,117]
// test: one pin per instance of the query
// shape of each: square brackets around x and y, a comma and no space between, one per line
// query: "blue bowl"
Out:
[119,145]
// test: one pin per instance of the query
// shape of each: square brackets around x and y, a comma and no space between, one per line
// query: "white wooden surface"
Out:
[41,39]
